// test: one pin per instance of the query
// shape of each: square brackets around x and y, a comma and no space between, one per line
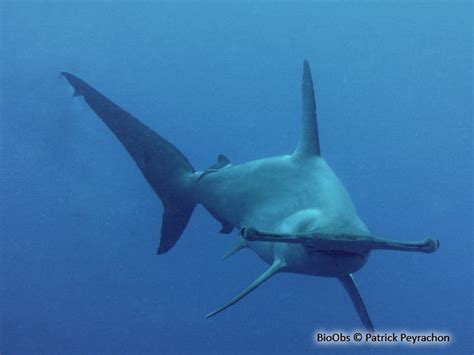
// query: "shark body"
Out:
[291,210]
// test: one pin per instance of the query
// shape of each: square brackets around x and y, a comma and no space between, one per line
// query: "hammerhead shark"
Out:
[291,210]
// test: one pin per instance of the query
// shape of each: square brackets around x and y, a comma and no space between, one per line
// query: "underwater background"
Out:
[80,225]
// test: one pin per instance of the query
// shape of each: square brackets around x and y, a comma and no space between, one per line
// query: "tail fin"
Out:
[162,164]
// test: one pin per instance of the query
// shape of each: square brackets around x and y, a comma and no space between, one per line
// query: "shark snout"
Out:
[340,242]
[430,245]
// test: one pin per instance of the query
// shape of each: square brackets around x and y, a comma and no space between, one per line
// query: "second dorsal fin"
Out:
[221,162]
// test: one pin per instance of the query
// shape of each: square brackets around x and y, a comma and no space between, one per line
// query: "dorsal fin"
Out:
[309,143]
[221,162]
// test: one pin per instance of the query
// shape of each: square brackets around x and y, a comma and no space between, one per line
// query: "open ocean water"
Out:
[80,225]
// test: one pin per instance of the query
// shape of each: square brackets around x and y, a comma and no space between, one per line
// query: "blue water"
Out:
[80,226]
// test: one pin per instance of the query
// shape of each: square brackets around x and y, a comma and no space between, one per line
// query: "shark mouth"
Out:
[344,243]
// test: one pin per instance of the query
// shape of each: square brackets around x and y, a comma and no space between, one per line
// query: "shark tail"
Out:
[164,167]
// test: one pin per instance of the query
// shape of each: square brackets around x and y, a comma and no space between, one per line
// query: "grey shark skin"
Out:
[292,210]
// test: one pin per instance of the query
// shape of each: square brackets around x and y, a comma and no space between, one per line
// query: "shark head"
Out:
[306,259]
[312,242]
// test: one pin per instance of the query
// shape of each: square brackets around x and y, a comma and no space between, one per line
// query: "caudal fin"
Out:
[164,167]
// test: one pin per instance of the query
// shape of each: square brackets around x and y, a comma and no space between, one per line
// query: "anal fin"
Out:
[226,227]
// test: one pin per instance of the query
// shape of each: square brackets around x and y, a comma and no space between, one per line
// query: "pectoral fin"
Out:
[351,287]
[276,266]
